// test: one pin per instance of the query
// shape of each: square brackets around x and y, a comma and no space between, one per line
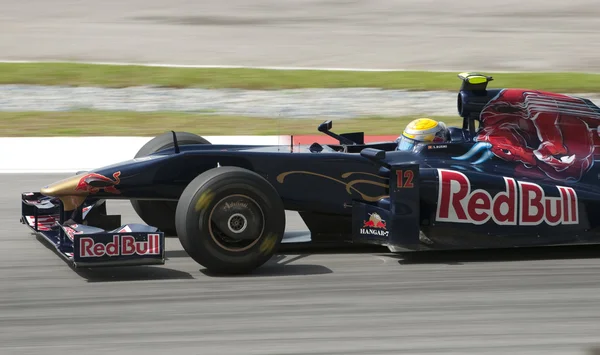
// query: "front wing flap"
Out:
[117,248]
[87,246]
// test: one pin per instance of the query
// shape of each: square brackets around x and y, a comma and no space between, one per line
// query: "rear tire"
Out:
[230,220]
[161,214]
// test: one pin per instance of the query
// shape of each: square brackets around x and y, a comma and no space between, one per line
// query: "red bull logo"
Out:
[521,203]
[126,245]
[375,225]
[374,221]
[549,135]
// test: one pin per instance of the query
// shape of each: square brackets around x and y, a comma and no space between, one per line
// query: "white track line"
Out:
[165,65]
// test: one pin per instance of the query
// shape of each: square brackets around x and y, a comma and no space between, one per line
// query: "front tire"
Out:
[161,214]
[230,220]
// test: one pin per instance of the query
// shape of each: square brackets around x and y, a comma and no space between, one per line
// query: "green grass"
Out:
[125,76]
[110,123]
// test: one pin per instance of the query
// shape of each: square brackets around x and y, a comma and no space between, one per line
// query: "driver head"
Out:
[422,130]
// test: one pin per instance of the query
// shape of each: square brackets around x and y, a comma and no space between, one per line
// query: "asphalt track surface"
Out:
[412,34]
[302,302]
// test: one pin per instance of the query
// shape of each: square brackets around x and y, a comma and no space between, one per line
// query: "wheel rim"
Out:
[236,223]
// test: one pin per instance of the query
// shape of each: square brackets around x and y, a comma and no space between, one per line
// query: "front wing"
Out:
[86,246]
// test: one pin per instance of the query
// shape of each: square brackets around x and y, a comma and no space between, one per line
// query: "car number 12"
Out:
[405,179]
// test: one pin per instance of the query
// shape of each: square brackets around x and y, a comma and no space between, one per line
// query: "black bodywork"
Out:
[372,193]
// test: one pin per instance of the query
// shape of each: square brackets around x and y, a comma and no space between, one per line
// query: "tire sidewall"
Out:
[210,188]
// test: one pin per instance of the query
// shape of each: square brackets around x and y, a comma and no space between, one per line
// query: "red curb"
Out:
[322,139]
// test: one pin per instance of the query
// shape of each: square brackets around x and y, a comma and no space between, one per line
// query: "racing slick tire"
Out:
[161,214]
[230,220]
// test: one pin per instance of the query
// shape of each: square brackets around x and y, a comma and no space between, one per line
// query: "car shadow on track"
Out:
[332,249]
[132,273]
[280,265]
[455,257]
[283,262]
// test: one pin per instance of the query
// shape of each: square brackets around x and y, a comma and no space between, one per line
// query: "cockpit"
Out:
[354,142]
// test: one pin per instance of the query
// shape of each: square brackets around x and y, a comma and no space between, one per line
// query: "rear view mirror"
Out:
[325,126]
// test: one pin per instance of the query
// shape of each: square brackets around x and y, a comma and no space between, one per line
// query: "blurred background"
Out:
[538,35]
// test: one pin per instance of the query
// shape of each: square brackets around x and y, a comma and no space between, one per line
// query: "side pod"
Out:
[393,221]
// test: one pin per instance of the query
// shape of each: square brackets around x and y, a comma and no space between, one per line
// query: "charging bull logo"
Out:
[93,182]
[550,134]
[374,226]
[521,203]
[374,221]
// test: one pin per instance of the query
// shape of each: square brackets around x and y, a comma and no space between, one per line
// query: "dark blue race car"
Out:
[519,172]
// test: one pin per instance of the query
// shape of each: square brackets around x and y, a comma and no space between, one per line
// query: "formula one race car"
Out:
[519,172]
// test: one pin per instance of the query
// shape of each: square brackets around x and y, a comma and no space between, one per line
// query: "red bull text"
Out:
[521,203]
[126,245]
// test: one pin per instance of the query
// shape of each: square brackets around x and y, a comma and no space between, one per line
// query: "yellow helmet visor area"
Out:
[405,143]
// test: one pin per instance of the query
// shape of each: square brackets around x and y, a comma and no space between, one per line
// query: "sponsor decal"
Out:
[124,245]
[44,223]
[71,231]
[237,204]
[93,183]
[521,203]
[546,134]
[375,225]
[125,229]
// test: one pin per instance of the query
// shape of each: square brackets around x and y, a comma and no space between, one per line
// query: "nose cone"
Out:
[66,190]
[65,187]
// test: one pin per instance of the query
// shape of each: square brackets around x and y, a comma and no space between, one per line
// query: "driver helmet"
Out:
[422,130]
